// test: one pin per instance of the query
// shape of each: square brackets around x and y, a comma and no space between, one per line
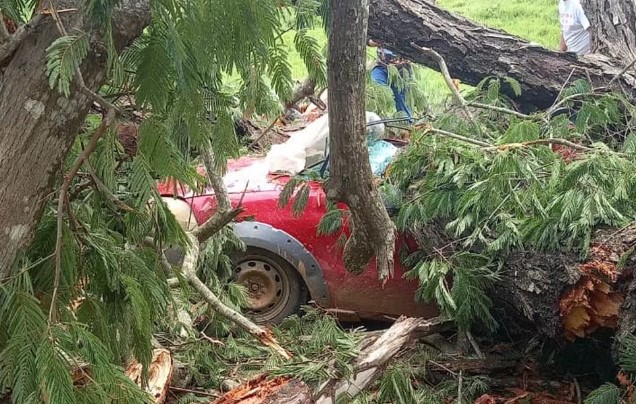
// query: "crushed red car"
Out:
[287,263]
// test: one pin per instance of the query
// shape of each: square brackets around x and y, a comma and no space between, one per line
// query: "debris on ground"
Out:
[159,374]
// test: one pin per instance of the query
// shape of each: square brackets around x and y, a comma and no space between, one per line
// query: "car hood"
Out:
[245,174]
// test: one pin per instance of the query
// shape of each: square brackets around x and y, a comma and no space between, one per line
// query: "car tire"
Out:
[275,289]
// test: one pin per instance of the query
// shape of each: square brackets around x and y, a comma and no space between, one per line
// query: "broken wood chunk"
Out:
[159,374]
[264,390]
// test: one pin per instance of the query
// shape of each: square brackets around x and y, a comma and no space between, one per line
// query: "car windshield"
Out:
[381,154]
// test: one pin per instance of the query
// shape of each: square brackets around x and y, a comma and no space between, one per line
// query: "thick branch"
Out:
[473,52]
[11,44]
[305,89]
[215,224]
[351,180]
[372,362]
[216,181]
[443,68]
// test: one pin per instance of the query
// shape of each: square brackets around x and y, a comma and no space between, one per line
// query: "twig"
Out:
[449,82]
[66,183]
[197,392]
[104,189]
[439,365]
[211,340]
[263,133]
[9,46]
[80,79]
[562,142]
[622,72]
[569,98]
[458,137]
[476,348]
[564,84]
[459,388]
[501,109]
[577,387]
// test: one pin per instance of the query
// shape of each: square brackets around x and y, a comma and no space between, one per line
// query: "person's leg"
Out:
[400,102]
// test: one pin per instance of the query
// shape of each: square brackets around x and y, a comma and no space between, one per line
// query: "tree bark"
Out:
[613,27]
[474,52]
[351,179]
[371,362]
[39,125]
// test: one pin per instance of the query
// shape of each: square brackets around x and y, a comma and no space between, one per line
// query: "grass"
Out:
[534,20]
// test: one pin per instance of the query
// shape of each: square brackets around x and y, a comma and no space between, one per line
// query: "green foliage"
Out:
[17,10]
[113,294]
[332,221]
[64,57]
[607,393]
[298,188]
[517,194]
[309,50]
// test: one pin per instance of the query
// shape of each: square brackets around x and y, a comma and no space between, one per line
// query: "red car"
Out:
[287,264]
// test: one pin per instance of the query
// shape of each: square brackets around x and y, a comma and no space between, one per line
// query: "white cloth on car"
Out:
[310,145]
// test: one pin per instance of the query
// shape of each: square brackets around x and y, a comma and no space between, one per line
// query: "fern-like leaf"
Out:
[63,58]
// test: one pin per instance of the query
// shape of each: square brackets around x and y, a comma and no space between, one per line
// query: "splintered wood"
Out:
[261,390]
[159,374]
[592,303]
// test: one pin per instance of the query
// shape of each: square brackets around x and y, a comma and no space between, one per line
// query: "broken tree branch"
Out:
[459,99]
[215,224]
[104,189]
[622,72]
[12,43]
[537,142]
[372,361]
[83,88]
[501,109]
[457,137]
[305,89]
[263,133]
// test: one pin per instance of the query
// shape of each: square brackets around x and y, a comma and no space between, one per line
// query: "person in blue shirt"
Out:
[380,75]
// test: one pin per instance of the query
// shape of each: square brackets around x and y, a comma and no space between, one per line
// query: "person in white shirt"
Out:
[575,28]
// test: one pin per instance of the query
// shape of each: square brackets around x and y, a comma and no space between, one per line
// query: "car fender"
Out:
[264,236]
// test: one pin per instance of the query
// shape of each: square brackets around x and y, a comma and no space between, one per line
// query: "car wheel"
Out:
[275,289]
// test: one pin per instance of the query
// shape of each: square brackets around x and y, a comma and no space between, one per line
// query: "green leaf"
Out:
[300,200]
[607,393]
[63,58]
[514,85]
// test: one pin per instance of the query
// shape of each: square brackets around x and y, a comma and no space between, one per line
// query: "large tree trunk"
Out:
[39,124]
[351,182]
[474,52]
[613,24]
[558,295]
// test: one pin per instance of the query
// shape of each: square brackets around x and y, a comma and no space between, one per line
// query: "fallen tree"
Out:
[474,52]
[523,197]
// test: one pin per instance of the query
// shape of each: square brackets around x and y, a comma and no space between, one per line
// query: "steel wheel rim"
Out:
[268,286]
